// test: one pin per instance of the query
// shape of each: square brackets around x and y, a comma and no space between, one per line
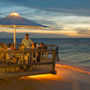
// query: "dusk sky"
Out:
[69,18]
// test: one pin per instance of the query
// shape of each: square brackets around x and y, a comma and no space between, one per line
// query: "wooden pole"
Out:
[14,35]
[53,62]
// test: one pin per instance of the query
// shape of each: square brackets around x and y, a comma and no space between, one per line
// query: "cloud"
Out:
[74,4]
[84,32]
[46,33]
[32,35]
[0,13]
[68,17]
[79,7]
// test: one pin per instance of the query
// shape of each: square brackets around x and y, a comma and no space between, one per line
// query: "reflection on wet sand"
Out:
[44,76]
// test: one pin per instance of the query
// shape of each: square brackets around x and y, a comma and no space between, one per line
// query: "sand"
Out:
[66,79]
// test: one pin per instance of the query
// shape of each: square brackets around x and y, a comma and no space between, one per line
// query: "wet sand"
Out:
[66,79]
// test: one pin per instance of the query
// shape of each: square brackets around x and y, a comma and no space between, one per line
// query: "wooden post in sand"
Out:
[53,62]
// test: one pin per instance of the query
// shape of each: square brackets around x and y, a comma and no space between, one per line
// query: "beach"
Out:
[65,79]
[73,69]
[45,45]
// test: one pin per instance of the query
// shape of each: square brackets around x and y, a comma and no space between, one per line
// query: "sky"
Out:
[69,18]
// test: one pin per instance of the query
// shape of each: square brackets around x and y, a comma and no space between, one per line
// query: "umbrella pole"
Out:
[14,36]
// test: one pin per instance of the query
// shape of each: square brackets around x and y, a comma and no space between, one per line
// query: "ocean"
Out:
[74,50]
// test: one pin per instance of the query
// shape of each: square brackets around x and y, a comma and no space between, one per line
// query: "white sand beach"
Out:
[66,79]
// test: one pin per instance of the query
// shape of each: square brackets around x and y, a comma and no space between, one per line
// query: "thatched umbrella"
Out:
[14,20]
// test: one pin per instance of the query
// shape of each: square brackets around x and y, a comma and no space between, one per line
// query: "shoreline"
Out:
[65,79]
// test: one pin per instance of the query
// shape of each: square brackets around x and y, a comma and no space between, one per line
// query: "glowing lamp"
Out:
[14,14]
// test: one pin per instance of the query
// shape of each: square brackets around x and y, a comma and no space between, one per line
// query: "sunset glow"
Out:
[66,22]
